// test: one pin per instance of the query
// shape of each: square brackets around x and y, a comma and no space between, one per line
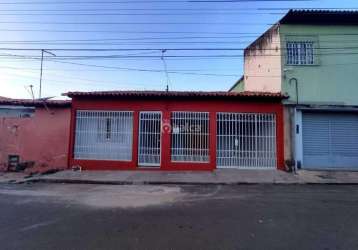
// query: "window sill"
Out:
[302,65]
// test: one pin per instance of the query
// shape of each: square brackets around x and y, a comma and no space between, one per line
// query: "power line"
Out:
[138,69]
[132,59]
[170,38]
[136,43]
[144,41]
[141,1]
[125,39]
[132,23]
[124,32]
[143,70]
[76,78]
[260,9]
[53,81]
[168,49]
[325,8]
[192,57]
[104,70]
[128,9]
[238,10]
[121,56]
[136,14]
[157,43]
[240,1]
[89,2]
[254,34]
[128,49]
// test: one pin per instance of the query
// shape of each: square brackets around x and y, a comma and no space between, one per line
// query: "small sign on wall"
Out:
[176,130]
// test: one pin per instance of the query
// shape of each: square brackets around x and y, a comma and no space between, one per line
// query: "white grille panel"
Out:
[246,140]
[190,137]
[149,138]
[104,135]
[300,53]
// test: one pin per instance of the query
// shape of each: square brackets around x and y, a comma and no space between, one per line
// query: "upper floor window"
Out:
[300,53]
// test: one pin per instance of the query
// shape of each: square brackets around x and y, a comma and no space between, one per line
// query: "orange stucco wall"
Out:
[42,138]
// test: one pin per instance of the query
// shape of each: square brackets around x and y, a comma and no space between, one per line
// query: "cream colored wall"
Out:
[262,64]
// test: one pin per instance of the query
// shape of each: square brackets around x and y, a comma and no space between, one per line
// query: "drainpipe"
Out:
[296,87]
[295,125]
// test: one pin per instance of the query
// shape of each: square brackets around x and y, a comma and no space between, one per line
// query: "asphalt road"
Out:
[55,216]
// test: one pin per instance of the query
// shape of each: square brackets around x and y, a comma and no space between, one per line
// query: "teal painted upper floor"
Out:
[332,78]
[314,60]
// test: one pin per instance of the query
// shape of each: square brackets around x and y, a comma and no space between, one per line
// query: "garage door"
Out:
[330,140]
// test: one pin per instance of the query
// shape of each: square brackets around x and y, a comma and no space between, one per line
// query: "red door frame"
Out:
[166,106]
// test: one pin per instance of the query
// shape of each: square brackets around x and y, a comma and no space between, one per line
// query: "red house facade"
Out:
[35,133]
[157,130]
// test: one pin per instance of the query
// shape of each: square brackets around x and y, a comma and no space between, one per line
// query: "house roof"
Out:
[4,98]
[324,17]
[36,103]
[309,17]
[182,94]
[241,79]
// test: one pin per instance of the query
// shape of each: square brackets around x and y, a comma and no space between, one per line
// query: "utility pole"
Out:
[42,59]
[32,91]
[165,70]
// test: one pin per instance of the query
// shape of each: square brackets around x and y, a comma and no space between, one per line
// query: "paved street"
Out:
[64,216]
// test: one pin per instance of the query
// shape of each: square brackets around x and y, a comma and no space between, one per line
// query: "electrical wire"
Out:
[130,9]
[123,39]
[136,14]
[132,23]
[136,69]
[123,31]
[140,1]
[180,49]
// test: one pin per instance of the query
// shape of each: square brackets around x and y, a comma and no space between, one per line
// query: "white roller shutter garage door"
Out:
[330,140]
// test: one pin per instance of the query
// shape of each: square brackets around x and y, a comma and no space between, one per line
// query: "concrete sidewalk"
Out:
[12,177]
[224,176]
[221,176]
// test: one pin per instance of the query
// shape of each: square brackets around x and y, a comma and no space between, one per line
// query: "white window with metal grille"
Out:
[190,137]
[104,135]
[246,140]
[300,53]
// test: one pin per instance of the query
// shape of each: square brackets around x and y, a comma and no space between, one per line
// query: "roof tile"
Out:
[320,16]
[30,102]
[174,94]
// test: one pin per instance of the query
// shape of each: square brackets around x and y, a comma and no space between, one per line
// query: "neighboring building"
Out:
[35,133]
[311,56]
[238,86]
[128,130]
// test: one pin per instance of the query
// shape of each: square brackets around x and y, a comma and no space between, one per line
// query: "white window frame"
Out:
[300,53]
[104,135]
[185,134]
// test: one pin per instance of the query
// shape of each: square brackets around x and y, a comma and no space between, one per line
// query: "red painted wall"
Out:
[43,138]
[166,106]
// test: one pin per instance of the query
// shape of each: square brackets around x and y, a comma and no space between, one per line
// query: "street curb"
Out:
[76,181]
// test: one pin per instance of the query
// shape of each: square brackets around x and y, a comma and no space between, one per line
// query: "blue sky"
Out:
[169,25]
